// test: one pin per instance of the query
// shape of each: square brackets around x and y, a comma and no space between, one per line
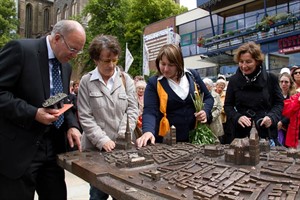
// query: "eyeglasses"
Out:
[71,49]
[286,82]
[296,72]
[109,61]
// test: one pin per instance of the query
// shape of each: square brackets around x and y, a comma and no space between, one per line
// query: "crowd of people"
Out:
[106,99]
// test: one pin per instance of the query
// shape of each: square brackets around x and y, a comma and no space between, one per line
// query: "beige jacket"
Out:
[216,125]
[103,113]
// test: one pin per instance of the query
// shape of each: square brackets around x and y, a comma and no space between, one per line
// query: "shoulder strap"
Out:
[123,80]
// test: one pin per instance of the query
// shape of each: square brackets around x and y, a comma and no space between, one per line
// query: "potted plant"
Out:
[292,19]
[201,41]
[265,24]
[280,17]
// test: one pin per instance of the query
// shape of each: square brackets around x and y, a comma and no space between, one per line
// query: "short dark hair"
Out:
[101,42]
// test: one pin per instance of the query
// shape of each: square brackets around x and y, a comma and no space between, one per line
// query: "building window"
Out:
[65,13]
[28,21]
[46,19]
[58,15]
[74,8]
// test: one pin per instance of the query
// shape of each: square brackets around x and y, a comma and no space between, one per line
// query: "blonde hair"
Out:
[292,88]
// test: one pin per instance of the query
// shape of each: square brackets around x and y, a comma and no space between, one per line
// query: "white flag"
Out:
[146,70]
[177,38]
[128,59]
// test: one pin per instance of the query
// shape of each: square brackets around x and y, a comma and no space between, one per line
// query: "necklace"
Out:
[253,78]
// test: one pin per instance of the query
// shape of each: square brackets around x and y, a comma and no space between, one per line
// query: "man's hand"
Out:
[46,115]
[74,136]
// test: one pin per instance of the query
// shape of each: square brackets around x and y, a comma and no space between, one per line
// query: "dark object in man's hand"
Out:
[55,101]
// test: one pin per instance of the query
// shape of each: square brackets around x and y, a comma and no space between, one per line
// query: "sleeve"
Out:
[229,104]
[12,107]
[291,106]
[151,114]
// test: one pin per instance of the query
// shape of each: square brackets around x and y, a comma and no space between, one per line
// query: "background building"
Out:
[212,32]
[38,16]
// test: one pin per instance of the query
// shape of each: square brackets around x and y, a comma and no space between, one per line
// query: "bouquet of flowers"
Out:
[202,133]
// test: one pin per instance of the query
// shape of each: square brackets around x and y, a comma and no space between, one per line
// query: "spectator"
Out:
[140,90]
[253,95]
[296,77]
[32,70]
[168,98]
[106,99]
[291,110]
[72,97]
[220,89]
[216,124]
[287,88]
[138,78]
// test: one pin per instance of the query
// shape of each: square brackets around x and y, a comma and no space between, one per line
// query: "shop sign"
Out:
[289,44]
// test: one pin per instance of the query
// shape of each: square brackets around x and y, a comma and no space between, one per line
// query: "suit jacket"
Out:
[24,86]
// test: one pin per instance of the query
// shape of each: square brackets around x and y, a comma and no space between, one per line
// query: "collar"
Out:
[184,70]
[95,75]
[50,51]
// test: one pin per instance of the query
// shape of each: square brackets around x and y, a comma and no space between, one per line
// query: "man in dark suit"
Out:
[29,139]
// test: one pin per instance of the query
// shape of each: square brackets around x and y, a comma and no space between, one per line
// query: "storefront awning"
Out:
[220,59]
[196,62]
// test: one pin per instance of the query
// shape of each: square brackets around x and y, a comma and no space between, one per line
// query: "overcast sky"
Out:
[190,4]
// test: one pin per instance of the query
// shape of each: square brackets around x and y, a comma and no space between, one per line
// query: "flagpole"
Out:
[128,58]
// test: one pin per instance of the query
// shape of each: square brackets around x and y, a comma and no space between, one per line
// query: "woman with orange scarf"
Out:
[168,99]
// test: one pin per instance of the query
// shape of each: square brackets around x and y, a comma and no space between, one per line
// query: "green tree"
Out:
[8,21]
[126,20]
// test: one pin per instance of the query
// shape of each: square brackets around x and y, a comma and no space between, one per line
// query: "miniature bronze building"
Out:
[56,101]
[244,151]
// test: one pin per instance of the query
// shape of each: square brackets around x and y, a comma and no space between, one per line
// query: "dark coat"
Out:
[180,113]
[256,99]
[24,86]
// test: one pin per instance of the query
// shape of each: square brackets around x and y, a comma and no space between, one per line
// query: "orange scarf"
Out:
[164,126]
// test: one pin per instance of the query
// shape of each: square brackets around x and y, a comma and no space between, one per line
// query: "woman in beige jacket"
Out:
[216,125]
[106,98]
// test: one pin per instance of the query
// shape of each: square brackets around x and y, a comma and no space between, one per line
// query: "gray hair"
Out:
[208,81]
[66,26]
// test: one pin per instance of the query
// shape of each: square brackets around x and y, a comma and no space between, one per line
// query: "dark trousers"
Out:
[43,176]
